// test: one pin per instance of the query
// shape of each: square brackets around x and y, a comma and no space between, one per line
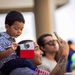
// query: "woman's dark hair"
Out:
[13,16]
[41,41]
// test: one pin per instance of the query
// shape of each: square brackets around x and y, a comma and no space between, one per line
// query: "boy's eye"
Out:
[16,28]
[21,29]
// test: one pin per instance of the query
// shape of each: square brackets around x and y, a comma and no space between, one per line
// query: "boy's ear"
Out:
[6,26]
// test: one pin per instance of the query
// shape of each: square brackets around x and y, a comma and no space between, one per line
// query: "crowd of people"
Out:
[45,51]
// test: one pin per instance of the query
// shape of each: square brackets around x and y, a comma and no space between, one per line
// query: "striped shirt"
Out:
[5,41]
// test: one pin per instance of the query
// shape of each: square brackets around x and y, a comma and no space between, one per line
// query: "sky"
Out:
[65,21]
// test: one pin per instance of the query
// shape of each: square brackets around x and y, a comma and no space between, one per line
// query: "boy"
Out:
[14,24]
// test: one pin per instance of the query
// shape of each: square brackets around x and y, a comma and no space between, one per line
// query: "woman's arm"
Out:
[60,68]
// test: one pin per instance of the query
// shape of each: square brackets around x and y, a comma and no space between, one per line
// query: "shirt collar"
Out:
[7,36]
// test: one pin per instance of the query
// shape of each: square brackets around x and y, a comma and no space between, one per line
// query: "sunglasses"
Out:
[51,42]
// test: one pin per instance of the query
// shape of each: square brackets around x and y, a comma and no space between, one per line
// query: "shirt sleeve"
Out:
[2,48]
[3,44]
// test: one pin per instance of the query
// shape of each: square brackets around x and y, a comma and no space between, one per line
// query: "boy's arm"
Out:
[4,54]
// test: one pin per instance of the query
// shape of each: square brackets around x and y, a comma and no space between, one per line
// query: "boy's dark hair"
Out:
[13,16]
[41,41]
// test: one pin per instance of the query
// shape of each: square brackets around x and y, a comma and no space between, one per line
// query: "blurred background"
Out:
[42,16]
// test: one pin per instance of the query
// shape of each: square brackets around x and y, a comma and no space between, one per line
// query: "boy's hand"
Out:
[14,46]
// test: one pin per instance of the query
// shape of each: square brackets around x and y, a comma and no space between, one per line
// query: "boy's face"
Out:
[37,60]
[15,30]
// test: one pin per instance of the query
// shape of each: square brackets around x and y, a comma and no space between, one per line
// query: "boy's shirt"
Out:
[5,41]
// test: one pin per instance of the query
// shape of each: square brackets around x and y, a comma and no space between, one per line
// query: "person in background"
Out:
[14,24]
[59,69]
[73,63]
[49,46]
[71,52]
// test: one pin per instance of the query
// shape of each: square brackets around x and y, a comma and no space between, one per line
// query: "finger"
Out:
[59,41]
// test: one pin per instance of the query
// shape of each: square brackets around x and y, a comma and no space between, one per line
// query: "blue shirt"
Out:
[69,62]
[5,41]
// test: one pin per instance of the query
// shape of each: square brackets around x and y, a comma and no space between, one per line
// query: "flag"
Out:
[27,50]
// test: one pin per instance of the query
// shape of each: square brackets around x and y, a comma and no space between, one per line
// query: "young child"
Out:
[14,24]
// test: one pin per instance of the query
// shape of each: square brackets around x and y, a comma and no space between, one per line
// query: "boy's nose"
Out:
[19,31]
